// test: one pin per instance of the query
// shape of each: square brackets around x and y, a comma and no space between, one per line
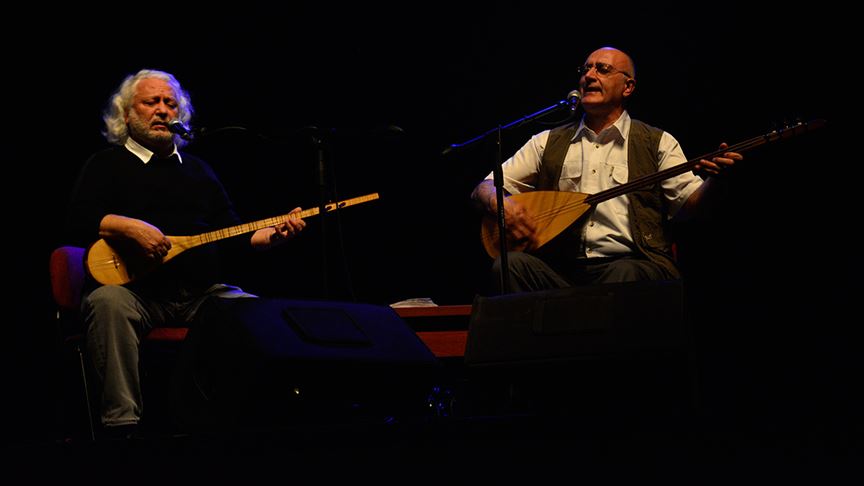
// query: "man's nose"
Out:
[162,109]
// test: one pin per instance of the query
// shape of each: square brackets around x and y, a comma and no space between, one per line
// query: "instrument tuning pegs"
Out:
[775,127]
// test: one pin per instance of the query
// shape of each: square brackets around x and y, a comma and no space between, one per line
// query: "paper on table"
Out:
[416,302]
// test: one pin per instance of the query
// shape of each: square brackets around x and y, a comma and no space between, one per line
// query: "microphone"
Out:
[178,127]
[573,99]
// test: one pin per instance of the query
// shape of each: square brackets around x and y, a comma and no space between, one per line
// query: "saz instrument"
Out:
[555,211]
[109,267]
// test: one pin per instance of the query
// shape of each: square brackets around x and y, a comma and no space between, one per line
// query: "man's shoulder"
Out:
[111,151]
[110,156]
[640,125]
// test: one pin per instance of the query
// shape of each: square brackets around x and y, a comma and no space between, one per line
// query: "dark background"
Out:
[769,273]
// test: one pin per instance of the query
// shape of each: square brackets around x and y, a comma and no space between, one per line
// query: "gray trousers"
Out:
[115,320]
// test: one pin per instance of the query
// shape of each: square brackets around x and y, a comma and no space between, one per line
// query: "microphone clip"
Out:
[574,98]
[179,128]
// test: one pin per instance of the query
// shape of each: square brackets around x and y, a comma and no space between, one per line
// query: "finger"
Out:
[708,164]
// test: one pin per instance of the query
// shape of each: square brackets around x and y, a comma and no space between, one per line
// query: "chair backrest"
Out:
[67,276]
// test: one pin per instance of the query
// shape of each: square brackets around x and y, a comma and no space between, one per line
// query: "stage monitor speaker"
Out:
[271,361]
[576,323]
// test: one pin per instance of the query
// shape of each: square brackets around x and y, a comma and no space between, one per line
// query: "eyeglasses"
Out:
[602,69]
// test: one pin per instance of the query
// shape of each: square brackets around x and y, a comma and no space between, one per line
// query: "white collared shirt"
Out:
[143,152]
[596,162]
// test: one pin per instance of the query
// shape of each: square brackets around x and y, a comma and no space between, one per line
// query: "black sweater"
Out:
[178,198]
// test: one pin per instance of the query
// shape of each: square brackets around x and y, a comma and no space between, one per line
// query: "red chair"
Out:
[66,269]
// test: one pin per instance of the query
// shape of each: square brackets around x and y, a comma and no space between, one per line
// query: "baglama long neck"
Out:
[690,164]
[240,229]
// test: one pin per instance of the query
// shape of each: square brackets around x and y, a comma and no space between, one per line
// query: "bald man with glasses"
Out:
[622,239]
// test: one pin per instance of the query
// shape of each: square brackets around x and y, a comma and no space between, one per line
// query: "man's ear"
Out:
[629,87]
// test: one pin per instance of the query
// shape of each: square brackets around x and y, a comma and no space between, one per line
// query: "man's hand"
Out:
[521,228]
[151,242]
[717,165]
[290,228]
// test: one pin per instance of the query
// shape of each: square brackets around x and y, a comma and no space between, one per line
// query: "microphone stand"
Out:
[322,204]
[570,103]
[498,181]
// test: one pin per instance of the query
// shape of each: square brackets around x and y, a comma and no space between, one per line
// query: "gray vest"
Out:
[648,207]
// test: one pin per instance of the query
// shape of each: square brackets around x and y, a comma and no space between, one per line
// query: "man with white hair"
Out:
[132,195]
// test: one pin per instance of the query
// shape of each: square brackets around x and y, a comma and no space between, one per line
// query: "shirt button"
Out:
[593,171]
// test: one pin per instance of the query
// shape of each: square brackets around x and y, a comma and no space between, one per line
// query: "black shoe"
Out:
[121,432]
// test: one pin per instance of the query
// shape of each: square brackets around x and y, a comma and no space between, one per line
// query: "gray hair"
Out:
[114,115]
